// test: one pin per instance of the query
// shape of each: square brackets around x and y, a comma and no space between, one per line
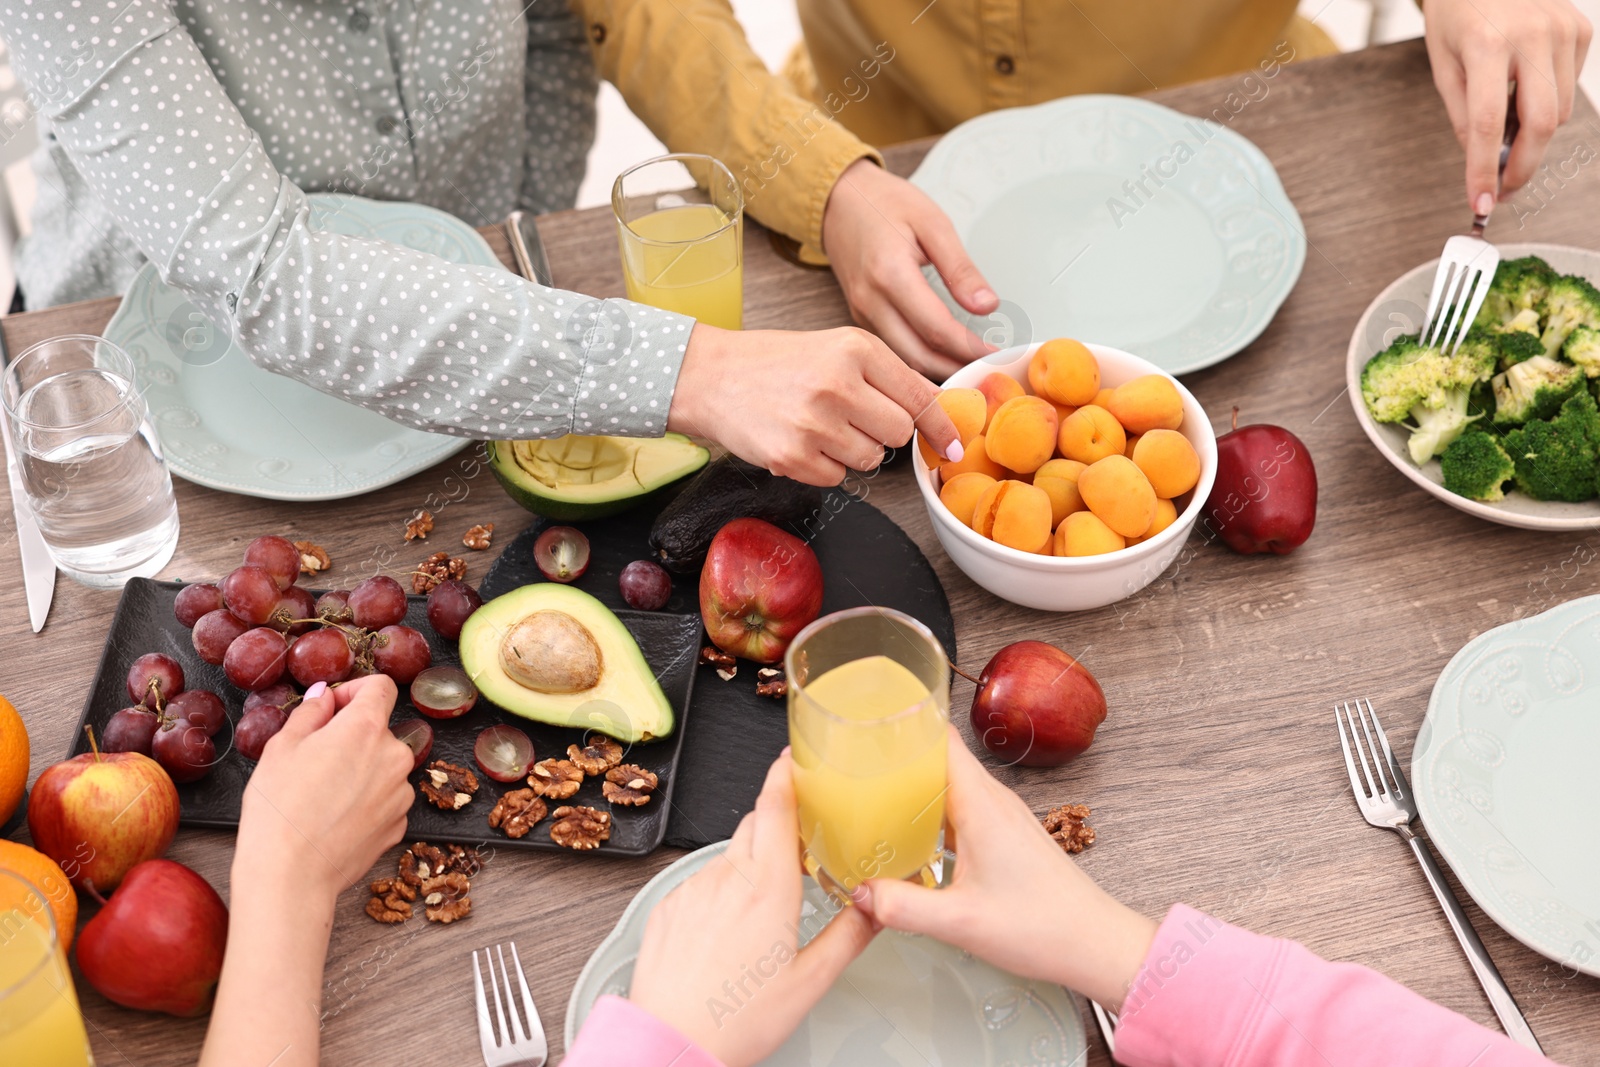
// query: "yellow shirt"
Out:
[882,71]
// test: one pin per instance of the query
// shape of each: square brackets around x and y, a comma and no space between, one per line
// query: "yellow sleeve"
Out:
[686,70]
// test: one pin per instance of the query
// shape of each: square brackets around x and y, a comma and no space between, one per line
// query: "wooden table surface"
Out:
[1216,778]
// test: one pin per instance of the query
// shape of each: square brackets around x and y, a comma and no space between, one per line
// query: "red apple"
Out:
[1265,496]
[759,587]
[157,944]
[1036,705]
[101,813]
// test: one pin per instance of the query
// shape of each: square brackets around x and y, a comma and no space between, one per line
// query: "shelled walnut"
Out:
[715,657]
[439,567]
[445,899]
[313,558]
[448,785]
[420,862]
[420,525]
[478,537]
[629,785]
[597,756]
[770,682]
[1066,825]
[391,900]
[557,779]
[517,812]
[580,828]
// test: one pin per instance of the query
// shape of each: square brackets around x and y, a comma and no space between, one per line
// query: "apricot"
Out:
[1133,441]
[1103,397]
[1014,514]
[1083,534]
[960,494]
[1059,479]
[1169,461]
[1022,434]
[976,459]
[1166,515]
[1091,433]
[997,388]
[1064,371]
[968,410]
[1150,402]
[1120,494]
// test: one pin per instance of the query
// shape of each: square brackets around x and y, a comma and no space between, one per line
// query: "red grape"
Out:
[214,632]
[256,658]
[402,653]
[334,606]
[562,554]
[201,707]
[129,730]
[503,752]
[277,556]
[194,601]
[418,737]
[450,604]
[295,603]
[320,656]
[257,727]
[154,672]
[273,696]
[250,593]
[185,750]
[645,585]
[443,692]
[378,602]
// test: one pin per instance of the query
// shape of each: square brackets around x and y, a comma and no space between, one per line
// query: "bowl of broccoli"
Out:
[1505,426]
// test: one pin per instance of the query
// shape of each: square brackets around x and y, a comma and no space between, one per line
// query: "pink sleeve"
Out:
[1213,995]
[618,1034]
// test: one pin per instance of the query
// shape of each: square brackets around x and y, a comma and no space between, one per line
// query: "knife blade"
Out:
[527,249]
[38,569]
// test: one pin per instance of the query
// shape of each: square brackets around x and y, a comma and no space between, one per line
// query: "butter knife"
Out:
[38,569]
[527,249]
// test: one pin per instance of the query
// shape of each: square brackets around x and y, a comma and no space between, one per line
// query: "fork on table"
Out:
[523,1043]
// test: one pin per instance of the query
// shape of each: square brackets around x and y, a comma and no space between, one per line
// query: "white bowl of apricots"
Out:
[1083,470]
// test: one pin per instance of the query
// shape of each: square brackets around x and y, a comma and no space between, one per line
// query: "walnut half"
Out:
[557,779]
[420,525]
[597,756]
[448,785]
[517,812]
[629,785]
[391,900]
[444,897]
[478,537]
[580,828]
[313,558]
[1066,825]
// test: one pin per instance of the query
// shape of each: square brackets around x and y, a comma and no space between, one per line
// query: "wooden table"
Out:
[1216,778]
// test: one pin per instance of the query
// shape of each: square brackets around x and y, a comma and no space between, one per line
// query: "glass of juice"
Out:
[869,702]
[40,1024]
[680,223]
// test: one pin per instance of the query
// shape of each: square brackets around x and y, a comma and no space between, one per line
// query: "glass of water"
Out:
[91,468]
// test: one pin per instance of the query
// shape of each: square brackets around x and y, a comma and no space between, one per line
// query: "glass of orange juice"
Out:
[869,702]
[40,1024]
[680,224]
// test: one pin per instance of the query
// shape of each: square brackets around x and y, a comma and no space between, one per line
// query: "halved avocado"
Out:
[573,478]
[555,654]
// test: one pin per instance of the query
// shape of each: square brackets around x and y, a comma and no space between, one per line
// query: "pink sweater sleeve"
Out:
[1213,995]
[618,1034]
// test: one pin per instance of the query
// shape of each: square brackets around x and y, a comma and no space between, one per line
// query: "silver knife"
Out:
[38,569]
[527,249]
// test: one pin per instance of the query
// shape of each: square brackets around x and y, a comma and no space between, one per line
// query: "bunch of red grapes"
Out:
[266,632]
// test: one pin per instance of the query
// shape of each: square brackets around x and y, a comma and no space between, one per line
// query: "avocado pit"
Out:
[551,652]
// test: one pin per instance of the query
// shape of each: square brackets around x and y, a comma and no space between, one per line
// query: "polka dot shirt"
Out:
[189,131]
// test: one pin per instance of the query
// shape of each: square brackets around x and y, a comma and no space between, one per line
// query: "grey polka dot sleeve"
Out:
[191,140]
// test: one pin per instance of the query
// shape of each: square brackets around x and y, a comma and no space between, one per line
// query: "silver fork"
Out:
[1386,801]
[519,1046]
[1466,268]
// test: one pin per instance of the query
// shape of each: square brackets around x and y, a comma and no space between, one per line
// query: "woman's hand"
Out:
[1009,872]
[1477,48]
[879,231]
[805,405]
[719,960]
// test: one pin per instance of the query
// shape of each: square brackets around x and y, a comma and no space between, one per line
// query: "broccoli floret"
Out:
[1556,459]
[1533,389]
[1583,348]
[1476,466]
[1571,302]
[1437,427]
[1407,374]
[1518,285]
[1514,346]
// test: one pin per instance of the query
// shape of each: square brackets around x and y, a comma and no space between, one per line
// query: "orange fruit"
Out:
[1166,515]
[1022,434]
[45,875]
[1149,402]
[13,760]
[1169,461]
[1064,371]
[1089,434]
[1083,534]
[1119,494]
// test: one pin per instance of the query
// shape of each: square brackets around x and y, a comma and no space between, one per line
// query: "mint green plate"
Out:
[227,423]
[1504,776]
[1184,273]
[906,1001]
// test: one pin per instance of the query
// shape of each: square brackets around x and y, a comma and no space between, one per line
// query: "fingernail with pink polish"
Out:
[316,690]
[1485,203]
[953,451]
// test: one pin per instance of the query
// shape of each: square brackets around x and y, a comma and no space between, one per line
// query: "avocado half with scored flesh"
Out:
[555,654]
[573,478]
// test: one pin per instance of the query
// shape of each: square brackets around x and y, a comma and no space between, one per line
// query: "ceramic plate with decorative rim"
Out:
[1398,310]
[226,423]
[1504,776]
[1118,221]
[907,1001]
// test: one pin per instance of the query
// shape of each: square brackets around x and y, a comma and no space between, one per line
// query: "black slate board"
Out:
[735,735]
[670,642]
